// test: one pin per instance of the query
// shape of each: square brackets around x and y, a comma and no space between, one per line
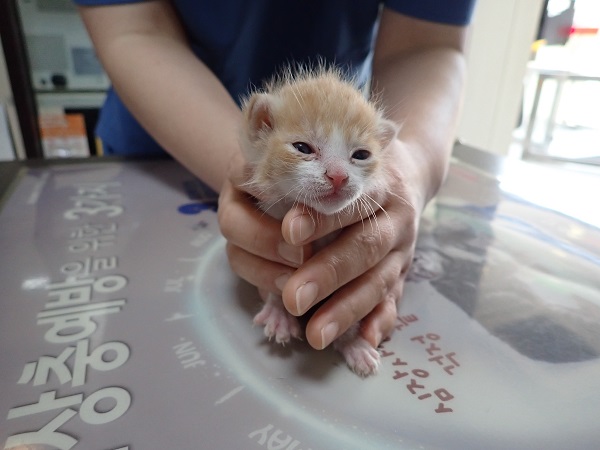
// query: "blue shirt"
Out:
[245,42]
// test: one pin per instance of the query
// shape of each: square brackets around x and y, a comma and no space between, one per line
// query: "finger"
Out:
[245,226]
[354,301]
[357,249]
[302,224]
[379,324]
[267,275]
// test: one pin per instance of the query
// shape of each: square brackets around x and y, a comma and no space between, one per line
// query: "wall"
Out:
[502,34]
[10,133]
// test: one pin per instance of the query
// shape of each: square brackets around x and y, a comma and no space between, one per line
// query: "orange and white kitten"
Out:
[310,137]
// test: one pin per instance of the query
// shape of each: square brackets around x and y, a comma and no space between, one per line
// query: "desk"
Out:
[560,77]
[122,326]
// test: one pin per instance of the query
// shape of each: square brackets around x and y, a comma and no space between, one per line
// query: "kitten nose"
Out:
[337,179]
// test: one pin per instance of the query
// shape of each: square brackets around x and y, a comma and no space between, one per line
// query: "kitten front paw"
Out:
[360,356]
[278,323]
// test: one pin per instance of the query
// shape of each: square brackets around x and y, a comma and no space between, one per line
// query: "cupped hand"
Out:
[256,249]
[360,275]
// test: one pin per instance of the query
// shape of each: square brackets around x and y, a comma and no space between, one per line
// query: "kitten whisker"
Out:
[357,206]
[307,202]
[380,207]
[370,213]
[406,202]
[273,202]
[339,218]
[303,198]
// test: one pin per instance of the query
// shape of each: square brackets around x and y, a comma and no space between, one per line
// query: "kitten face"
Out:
[315,141]
[324,169]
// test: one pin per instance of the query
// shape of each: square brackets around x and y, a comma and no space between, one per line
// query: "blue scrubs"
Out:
[245,42]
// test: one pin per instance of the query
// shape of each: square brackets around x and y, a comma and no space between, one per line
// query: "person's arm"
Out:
[187,110]
[166,87]
[419,70]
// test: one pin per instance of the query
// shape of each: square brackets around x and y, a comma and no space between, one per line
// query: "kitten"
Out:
[311,137]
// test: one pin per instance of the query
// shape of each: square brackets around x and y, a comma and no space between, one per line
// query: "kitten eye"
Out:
[303,147]
[361,155]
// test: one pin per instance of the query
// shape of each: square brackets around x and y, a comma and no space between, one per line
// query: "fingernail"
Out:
[301,228]
[306,295]
[290,253]
[281,280]
[328,334]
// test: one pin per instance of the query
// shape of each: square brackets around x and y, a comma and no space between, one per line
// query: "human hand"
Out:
[364,268]
[256,249]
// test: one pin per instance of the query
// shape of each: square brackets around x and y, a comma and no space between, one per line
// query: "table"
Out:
[122,326]
[560,77]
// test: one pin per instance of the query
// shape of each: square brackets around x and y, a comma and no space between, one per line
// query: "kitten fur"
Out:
[310,137]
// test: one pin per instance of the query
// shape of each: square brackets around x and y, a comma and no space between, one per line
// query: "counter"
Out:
[123,327]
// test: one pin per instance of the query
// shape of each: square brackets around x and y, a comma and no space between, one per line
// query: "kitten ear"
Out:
[258,113]
[387,131]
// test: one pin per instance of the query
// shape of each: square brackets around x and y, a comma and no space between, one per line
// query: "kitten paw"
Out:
[360,356]
[278,323]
